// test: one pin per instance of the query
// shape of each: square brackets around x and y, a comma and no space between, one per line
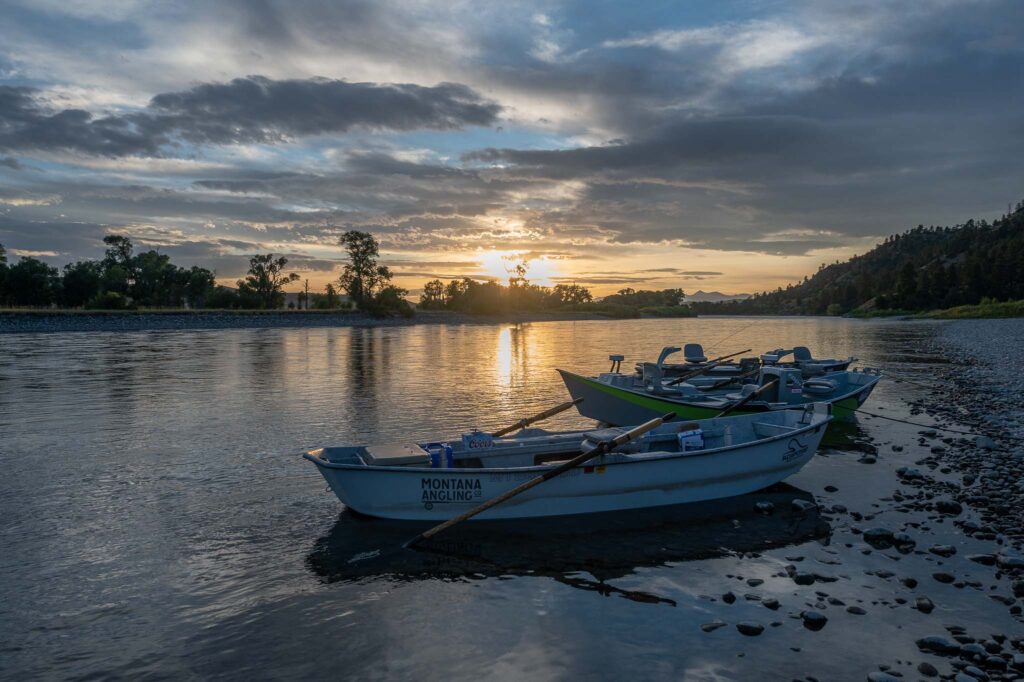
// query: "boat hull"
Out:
[675,478]
[618,406]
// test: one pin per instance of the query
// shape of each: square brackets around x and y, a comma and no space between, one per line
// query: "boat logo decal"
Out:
[795,450]
[444,490]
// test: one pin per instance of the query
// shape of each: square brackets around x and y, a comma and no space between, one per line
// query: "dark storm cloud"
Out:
[243,111]
[10,162]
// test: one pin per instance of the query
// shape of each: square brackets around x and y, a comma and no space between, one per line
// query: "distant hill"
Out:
[922,269]
[714,297]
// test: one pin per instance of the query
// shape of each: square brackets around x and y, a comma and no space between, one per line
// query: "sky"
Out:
[728,146]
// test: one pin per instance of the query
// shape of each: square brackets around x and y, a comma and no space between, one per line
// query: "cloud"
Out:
[10,162]
[247,110]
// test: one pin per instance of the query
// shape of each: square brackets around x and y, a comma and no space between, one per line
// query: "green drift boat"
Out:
[618,399]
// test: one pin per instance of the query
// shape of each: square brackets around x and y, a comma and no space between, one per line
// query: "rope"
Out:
[887,374]
[937,428]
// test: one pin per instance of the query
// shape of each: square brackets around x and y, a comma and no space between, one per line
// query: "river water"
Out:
[157,522]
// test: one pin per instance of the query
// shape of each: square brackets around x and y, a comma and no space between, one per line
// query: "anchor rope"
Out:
[937,428]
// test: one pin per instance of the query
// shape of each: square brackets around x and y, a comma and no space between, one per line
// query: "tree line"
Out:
[489,298]
[124,279]
[925,268]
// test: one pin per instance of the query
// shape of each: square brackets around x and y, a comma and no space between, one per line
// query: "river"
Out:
[157,521]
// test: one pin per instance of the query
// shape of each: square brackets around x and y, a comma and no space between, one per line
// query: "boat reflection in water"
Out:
[605,546]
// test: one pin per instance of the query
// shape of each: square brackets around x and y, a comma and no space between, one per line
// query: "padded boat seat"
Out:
[743,392]
[603,434]
[819,386]
[397,454]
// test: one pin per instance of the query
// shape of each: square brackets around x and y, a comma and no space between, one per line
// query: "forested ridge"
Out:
[924,268]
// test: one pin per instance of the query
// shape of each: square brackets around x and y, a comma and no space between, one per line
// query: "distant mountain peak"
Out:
[714,296]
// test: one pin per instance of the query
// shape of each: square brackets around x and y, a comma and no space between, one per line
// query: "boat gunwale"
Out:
[751,407]
[816,423]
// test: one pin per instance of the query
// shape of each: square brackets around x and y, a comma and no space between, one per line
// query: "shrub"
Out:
[109,300]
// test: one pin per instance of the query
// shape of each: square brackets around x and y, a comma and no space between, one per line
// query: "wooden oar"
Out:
[711,365]
[523,423]
[740,403]
[600,449]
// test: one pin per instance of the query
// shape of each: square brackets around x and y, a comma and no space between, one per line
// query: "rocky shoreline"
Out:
[36,322]
[977,481]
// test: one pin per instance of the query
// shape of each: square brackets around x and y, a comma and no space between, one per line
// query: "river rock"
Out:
[879,538]
[750,629]
[938,645]
[813,620]
[927,669]
[943,550]
[712,626]
[880,676]
[924,605]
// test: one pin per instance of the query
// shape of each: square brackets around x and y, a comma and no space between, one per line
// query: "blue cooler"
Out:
[691,440]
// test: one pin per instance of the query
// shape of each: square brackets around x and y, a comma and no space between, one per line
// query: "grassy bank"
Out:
[982,310]
[880,312]
[43,312]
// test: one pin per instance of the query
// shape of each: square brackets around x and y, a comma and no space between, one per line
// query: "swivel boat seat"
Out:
[694,353]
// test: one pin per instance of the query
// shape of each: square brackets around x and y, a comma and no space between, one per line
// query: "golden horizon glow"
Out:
[604,269]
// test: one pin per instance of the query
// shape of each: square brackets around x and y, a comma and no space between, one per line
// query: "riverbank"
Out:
[50,321]
[982,311]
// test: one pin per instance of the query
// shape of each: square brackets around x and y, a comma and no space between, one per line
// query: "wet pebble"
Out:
[712,626]
[927,669]
[924,605]
[944,577]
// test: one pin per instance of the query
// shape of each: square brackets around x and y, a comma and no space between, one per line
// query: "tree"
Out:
[433,294]
[32,282]
[156,280]
[199,285]
[81,282]
[3,274]
[118,264]
[362,277]
[572,294]
[265,279]
[906,286]
[391,299]
[331,298]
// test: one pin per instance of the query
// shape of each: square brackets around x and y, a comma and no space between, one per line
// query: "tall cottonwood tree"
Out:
[265,279]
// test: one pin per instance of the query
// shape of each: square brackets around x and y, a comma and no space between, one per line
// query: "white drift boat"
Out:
[674,463]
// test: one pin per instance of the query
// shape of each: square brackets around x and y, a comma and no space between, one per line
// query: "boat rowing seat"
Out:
[397,454]
[802,354]
[694,352]
[743,392]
